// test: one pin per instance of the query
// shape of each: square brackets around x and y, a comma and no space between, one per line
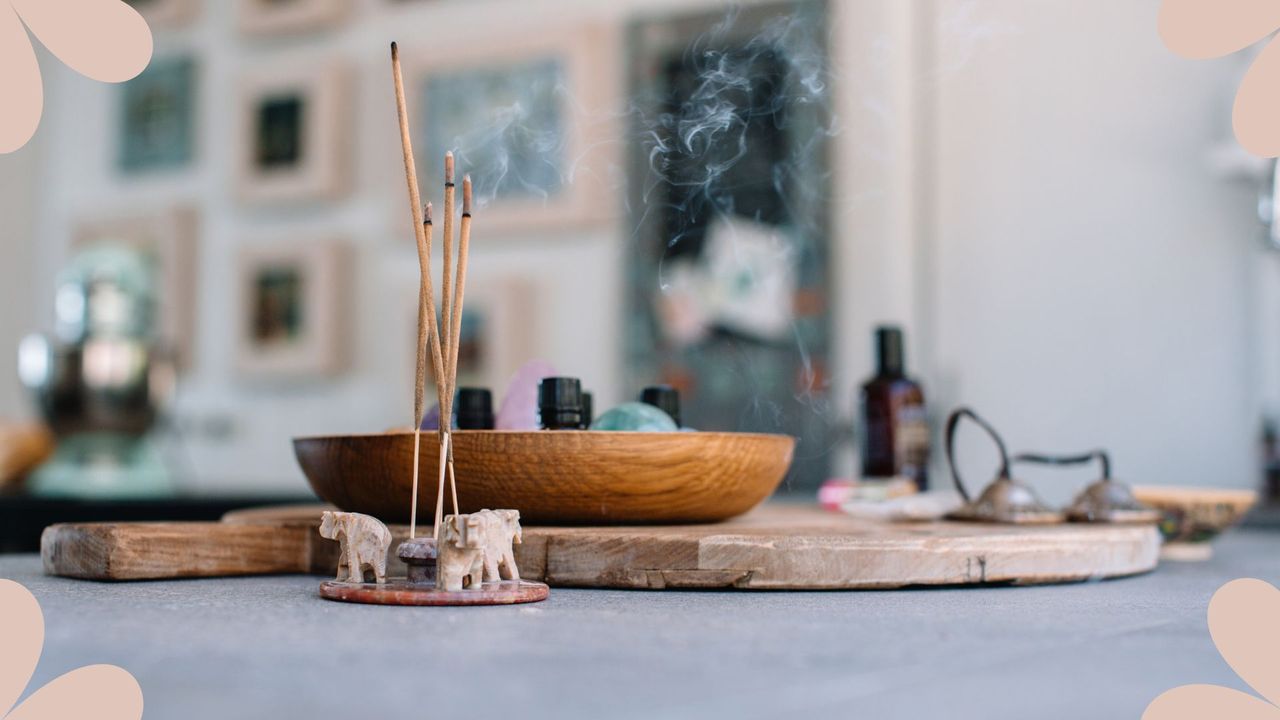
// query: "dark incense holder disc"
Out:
[419,557]
[403,592]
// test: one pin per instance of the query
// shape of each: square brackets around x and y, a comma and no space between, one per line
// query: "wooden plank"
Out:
[775,547]
[145,551]
[782,547]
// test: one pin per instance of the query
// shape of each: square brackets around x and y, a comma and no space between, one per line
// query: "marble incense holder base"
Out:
[399,591]
[419,588]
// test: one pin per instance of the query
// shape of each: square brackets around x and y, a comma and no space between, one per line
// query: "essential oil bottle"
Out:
[560,403]
[475,409]
[663,397]
[894,428]
[588,410]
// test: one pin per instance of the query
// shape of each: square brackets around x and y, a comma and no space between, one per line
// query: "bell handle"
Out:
[1100,455]
[953,422]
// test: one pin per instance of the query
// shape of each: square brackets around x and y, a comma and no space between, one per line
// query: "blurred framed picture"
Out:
[157,117]
[277,17]
[166,13]
[292,144]
[167,240]
[529,117]
[498,333]
[290,320]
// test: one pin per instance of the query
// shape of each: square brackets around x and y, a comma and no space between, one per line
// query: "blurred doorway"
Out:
[727,288]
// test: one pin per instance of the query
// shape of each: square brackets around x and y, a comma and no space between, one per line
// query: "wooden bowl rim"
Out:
[589,433]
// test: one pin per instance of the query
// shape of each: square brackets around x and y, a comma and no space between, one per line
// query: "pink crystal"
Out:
[431,421]
[519,409]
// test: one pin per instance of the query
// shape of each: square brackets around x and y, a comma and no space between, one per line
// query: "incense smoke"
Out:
[699,154]
[687,163]
[743,80]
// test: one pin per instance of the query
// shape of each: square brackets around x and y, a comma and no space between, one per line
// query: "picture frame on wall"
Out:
[499,332]
[283,17]
[157,117]
[167,239]
[532,118]
[290,322]
[292,143]
[166,14]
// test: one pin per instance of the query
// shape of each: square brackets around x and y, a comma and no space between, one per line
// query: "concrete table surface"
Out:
[269,647]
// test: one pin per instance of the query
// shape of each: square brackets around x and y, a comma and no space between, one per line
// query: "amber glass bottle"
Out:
[894,428]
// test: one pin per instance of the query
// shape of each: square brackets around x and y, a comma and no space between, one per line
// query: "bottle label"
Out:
[911,442]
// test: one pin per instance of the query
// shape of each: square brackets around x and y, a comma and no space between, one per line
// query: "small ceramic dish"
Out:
[554,477]
[1190,518]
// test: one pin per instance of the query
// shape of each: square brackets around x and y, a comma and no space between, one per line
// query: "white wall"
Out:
[1022,183]
[1093,281]
[881,171]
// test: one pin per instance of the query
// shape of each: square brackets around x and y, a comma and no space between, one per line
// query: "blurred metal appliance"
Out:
[101,381]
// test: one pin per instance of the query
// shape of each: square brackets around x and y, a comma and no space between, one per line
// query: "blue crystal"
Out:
[635,417]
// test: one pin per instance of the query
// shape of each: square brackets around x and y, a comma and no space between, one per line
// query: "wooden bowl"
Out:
[1192,517]
[554,477]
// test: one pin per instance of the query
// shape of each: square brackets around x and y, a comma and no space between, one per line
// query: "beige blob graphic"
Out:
[1201,29]
[95,691]
[1244,621]
[106,40]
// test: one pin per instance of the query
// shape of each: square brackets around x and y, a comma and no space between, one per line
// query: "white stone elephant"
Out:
[364,541]
[460,551]
[502,530]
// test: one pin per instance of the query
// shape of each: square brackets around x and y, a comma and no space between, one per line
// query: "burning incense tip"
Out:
[448,168]
[426,214]
[466,194]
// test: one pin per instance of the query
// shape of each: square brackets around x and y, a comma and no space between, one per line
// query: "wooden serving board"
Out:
[776,546]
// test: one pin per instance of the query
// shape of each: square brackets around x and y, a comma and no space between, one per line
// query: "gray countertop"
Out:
[269,647]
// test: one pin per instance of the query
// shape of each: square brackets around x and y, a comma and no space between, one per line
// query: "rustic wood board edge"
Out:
[1016,559]
[752,553]
[774,548]
[147,551]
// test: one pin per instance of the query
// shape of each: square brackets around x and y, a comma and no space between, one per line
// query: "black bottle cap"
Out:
[890,354]
[663,397]
[475,409]
[588,412]
[560,403]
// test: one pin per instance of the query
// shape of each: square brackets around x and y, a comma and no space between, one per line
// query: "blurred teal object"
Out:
[106,291]
[101,382]
[103,466]
[635,417]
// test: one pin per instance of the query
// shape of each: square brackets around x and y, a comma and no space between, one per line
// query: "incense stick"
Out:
[446,284]
[448,318]
[460,285]
[426,328]
[455,325]
[425,295]
[444,449]
[426,317]
[443,336]
[445,381]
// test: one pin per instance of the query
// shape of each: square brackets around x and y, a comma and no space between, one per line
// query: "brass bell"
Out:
[1103,501]
[1005,500]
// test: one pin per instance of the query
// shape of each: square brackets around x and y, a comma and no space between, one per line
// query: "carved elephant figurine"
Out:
[460,551]
[364,541]
[502,531]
